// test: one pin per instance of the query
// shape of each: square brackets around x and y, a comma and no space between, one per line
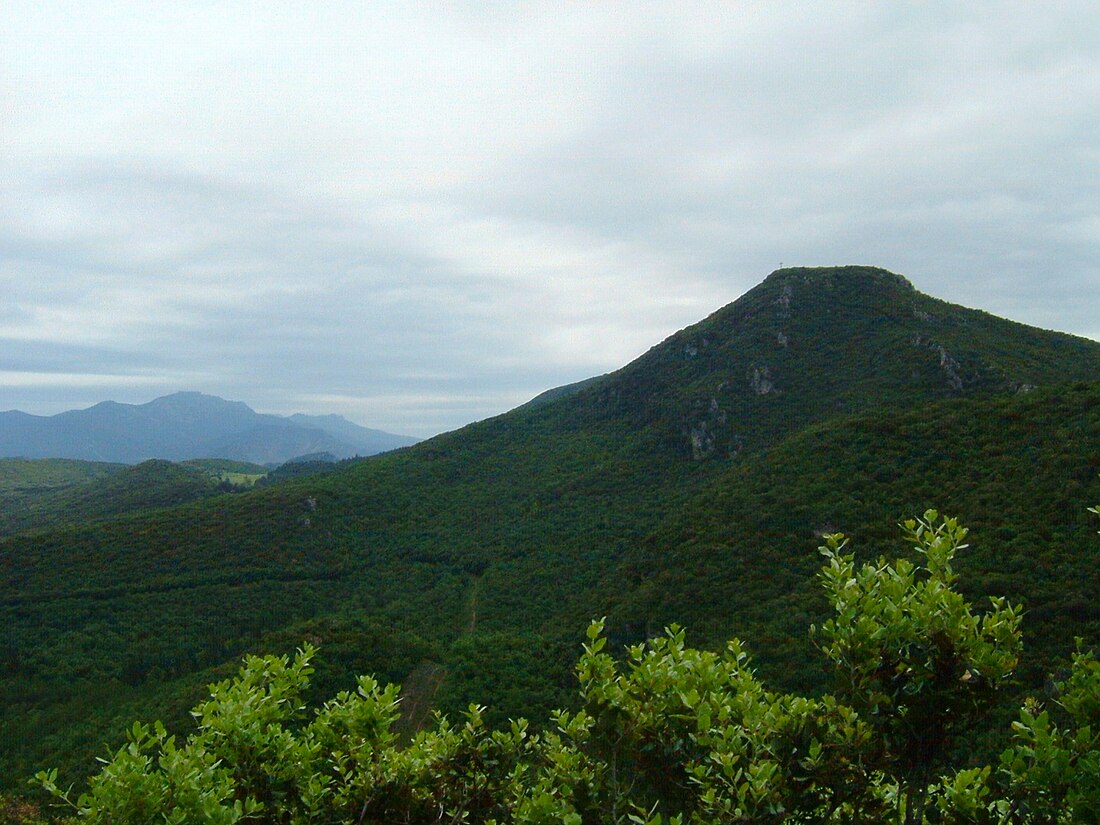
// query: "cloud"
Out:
[424,216]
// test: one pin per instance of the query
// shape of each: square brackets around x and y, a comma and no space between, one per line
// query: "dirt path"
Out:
[475,587]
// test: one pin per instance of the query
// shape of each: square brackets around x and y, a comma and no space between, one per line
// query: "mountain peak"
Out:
[872,276]
[808,344]
[192,400]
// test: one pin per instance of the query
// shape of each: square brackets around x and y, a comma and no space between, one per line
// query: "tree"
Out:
[1051,773]
[910,656]
[692,731]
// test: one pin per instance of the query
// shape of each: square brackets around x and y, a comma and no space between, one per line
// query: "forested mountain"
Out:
[183,426]
[691,486]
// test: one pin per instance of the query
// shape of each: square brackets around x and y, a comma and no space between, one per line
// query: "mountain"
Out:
[810,344]
[182,426]
[690,486]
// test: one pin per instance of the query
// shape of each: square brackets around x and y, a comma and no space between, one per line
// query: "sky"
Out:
[422,215]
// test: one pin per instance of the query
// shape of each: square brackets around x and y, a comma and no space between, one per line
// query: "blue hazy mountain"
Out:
[186,425]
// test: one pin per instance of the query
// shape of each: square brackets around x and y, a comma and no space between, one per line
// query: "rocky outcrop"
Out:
[760,379]
[949,365]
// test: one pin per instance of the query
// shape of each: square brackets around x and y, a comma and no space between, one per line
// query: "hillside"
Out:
[48,493]
[127,489]
[25,483]
[185,425]
[689,486]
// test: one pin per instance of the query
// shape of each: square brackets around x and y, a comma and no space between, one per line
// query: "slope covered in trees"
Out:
[670,734]
[690,487]
[43,494]
[24,483]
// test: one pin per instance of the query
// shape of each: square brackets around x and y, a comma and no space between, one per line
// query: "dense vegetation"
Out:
[670,734]
[690,487]
[26,484]
[47,493]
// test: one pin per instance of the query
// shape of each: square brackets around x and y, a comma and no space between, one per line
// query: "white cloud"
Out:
[423,215]
[12,379]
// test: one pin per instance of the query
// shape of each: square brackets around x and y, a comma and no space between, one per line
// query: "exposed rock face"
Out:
[692,348]
[948,362]
[760,379]
[950,368]
[702,441]
[783,314]
[784,301]
[703,433]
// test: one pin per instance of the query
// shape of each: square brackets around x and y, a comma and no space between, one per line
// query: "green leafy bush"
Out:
[909,654]
[665,734]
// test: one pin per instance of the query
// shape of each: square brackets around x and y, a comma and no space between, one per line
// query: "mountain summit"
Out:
[810,343]
[186,425]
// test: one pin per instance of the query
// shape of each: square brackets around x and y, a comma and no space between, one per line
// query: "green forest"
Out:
[664,733]
[682,499]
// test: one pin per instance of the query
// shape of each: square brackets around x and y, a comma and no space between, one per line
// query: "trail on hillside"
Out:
[475,586]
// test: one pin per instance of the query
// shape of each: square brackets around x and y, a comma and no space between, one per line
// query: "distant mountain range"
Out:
[186,425]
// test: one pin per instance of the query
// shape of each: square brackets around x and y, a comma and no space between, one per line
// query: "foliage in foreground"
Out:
[668,734]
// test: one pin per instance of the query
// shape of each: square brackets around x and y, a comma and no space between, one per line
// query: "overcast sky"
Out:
[418,216]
